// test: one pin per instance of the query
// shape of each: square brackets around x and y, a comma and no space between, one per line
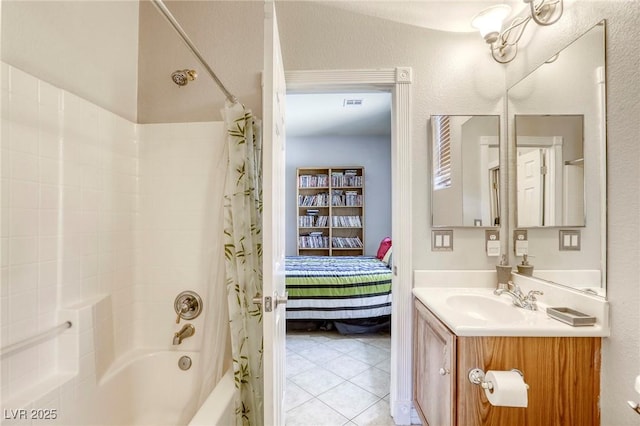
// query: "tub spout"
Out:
[187,330]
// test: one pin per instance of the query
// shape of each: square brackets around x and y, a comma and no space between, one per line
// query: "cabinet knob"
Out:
[444,371]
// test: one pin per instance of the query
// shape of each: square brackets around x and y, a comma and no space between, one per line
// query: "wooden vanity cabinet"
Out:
[434,372]
[563,374]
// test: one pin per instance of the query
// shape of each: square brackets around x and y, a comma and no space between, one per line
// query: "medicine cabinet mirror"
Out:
[465,183]
[558,153]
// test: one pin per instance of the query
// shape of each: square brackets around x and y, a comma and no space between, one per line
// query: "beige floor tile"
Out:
[371,355]
[384,365]
[320,354]
[348,399]
[378,414]
[295,396]
[373,380]
[314,413]
[297,364]
[346,345]
[346,367]
[316,381]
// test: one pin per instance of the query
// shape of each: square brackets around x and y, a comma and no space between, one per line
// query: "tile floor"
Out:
[337,380]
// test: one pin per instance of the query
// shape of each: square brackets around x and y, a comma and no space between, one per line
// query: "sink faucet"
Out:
[518,298]
[187,330]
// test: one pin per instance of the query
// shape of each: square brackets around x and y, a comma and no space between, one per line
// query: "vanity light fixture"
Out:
[504,43]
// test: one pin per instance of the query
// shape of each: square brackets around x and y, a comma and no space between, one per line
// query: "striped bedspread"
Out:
[339,287]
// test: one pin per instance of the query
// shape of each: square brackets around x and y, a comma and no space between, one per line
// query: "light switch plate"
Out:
[442,240]
[569,240]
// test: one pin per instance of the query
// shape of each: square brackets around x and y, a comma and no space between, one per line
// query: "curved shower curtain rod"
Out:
[176,26]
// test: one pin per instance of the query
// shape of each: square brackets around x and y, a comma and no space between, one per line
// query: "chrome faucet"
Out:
[518,298]
[187,330]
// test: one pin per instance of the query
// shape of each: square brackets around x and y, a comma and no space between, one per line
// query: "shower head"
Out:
[182,77]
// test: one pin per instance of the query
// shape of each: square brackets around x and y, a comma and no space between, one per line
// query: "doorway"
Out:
[398,82]
[338,345]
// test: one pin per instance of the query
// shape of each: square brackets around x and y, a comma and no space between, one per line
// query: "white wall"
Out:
[452,74]
[89,48]
[373,153]
[621,351]
[228,34]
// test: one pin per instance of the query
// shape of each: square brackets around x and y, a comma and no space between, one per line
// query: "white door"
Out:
[529,188]
[273,319]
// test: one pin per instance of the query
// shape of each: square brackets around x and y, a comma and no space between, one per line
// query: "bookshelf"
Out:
[330,216]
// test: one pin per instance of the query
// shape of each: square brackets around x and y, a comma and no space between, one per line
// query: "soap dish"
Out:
[571,316]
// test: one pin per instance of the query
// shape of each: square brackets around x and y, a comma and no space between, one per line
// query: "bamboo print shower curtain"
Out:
[243,258]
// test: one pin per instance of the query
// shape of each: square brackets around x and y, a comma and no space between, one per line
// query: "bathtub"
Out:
[218,409]
[142,388]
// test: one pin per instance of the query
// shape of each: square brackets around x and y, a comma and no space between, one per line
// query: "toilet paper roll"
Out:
[509,389]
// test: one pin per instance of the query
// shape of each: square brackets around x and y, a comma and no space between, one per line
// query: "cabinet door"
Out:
[434,369]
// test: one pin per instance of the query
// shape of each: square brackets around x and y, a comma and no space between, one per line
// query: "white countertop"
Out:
[492,315]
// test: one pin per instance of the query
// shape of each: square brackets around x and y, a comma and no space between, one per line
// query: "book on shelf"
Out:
[313,241]
[313,181]
[321,199]
[346,242]
[346,222]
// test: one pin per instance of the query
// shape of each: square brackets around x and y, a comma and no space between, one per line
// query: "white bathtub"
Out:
[218,409]
[149,389]
[141,388]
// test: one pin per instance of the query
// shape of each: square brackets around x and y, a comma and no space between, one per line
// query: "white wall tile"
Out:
[24,166]
[23,222]
[49,171]
[23,194]
[23,250]
[23,278]
[23,84]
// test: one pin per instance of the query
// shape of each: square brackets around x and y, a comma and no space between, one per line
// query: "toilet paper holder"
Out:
[476,376]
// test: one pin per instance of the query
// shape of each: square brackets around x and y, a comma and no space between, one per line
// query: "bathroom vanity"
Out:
[560,363]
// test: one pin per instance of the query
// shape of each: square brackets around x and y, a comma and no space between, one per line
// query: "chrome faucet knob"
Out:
[533,293]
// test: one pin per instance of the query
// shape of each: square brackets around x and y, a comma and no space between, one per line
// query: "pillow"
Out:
[387,257]
[385,245]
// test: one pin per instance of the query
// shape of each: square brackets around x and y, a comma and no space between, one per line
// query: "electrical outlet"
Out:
[520,242]
[492,242]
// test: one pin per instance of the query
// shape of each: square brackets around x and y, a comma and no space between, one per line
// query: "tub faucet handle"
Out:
[183,309]
[187,305]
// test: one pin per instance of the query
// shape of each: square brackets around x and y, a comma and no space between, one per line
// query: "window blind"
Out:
[442,152]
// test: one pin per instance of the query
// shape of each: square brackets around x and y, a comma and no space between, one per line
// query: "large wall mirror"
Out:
[558,150]
[465,184]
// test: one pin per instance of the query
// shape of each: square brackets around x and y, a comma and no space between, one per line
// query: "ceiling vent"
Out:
[352,102]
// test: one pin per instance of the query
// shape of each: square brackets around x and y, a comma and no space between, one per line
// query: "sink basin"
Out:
[476,311]
[485,308]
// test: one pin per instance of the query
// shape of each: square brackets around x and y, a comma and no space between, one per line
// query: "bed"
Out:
[337,288]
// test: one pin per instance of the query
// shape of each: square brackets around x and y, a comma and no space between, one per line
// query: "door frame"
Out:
[398,82]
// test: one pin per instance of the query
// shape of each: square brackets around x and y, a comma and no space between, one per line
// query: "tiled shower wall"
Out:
[105,221]
[69,206]
[182,173]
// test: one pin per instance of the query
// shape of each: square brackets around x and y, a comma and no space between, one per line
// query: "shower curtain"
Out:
[243,258]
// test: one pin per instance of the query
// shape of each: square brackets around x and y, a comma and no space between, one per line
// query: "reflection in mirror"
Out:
[559,115]
[549,170]
[465,171]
